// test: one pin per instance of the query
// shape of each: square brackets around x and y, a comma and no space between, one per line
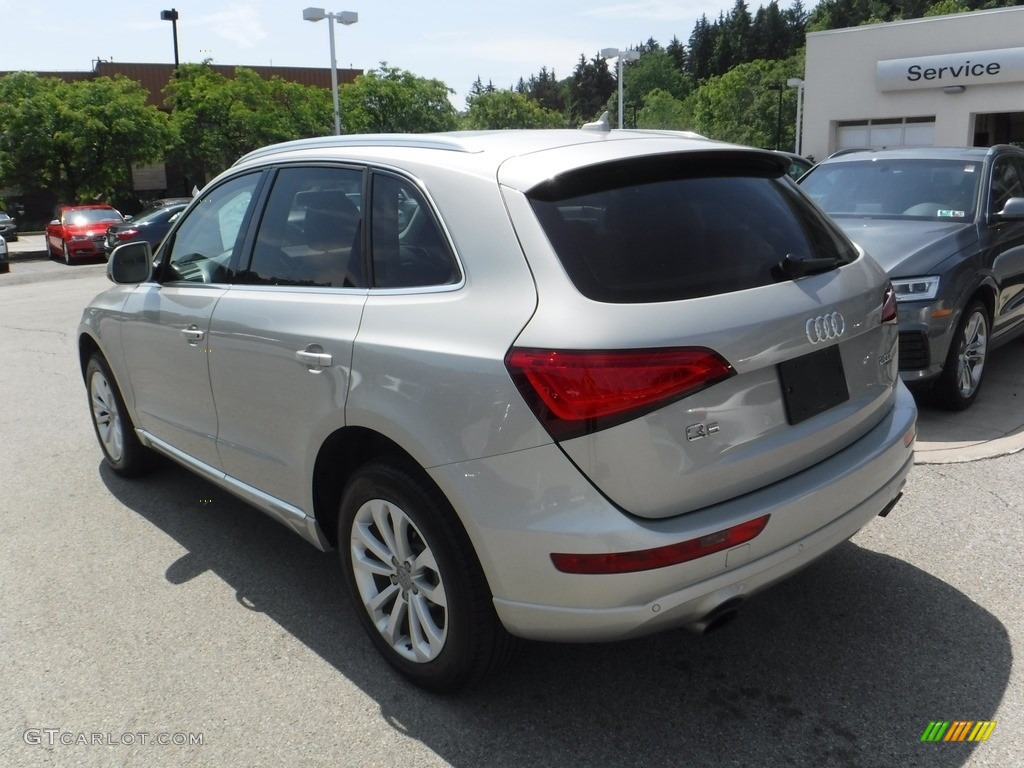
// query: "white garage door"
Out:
[878,134]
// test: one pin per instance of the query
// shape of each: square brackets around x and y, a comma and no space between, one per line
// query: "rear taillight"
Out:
[660,557]
[126,234]
[575,392]
[889,311]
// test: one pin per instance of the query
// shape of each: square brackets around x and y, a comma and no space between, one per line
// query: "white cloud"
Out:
[238,23]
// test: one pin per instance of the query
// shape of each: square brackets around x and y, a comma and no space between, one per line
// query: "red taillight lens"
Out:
[660,557]
[889,311]
[125,234]
[574,392]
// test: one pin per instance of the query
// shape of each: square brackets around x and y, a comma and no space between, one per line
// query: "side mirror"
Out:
[128,217]
[1012,211]
[55,223]
[131,263]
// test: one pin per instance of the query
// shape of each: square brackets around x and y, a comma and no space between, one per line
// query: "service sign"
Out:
[1005,65]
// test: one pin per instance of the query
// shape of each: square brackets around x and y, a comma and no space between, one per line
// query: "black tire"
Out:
[114,430]
[435,586]
[962,375]
[67,253]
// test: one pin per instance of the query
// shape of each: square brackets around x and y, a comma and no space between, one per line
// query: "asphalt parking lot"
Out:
[165,610]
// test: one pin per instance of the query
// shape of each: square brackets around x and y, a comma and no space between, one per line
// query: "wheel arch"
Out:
[986,293]
[87,346]
[340,455]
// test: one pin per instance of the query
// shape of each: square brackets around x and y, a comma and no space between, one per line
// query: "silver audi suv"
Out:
[561,385]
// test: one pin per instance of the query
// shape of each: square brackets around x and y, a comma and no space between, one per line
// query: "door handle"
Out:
[314,357]
[193,335]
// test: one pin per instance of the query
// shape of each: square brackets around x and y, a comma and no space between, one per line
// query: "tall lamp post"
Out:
[796,82]
[342,17]
[172,16]
[615,53]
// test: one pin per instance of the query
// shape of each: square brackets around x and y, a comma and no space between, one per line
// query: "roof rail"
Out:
[412,140]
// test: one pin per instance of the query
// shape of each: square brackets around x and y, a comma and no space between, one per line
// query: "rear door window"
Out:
[408,247]
[309,235]
[651,232]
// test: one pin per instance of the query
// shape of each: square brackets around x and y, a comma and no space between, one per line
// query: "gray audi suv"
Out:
[560,385]
[948,226]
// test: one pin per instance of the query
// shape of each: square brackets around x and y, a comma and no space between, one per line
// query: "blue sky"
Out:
[450,40]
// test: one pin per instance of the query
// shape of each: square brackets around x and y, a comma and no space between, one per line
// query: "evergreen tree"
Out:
[678,53]
[702,50]
[590,86]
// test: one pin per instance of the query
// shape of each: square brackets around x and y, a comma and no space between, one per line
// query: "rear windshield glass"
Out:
[938,190]
[642,237]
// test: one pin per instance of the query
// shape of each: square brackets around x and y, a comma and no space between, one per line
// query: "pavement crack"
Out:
[60,334]
[973,487]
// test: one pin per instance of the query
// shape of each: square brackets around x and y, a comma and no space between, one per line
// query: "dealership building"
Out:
[953,80]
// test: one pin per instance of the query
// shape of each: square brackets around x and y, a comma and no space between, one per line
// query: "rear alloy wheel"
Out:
[418,588]
[121,447]
[961,378]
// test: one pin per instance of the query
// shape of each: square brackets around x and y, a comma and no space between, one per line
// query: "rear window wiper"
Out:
[792,267]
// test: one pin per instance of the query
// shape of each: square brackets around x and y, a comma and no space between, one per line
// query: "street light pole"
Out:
[615,53]
[172,16]
[342,17]
[796,82]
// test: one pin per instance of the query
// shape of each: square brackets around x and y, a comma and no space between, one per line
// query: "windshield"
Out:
[91,216]
[935,190]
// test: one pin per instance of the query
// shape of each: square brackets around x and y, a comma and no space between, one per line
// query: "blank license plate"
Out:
[813,383]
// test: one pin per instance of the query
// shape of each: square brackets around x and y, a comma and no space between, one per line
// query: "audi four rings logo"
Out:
[825,327]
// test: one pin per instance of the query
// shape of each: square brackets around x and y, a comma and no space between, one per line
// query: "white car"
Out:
[558,385]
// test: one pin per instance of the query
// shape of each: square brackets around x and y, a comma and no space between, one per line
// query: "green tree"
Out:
[217,119]
[79,139]
[678,53]
[589,88]
[742,106]
[943,7]
[508,109]
[771,36]
[28,109]
[545,89]
[663,111]
[702,50]
[391,100]
[654,70]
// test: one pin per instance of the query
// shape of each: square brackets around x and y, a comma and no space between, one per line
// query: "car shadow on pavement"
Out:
[845,663]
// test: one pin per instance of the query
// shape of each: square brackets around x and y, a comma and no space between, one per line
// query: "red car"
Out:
[79,230]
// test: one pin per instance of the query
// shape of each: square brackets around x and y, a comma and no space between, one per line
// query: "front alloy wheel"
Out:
[106,416]
[417,585]
[961,378]
[121,447]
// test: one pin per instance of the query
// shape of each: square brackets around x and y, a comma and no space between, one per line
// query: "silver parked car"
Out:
[561,385]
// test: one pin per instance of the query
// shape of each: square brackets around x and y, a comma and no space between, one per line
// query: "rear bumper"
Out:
[692,603]
[516,526]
